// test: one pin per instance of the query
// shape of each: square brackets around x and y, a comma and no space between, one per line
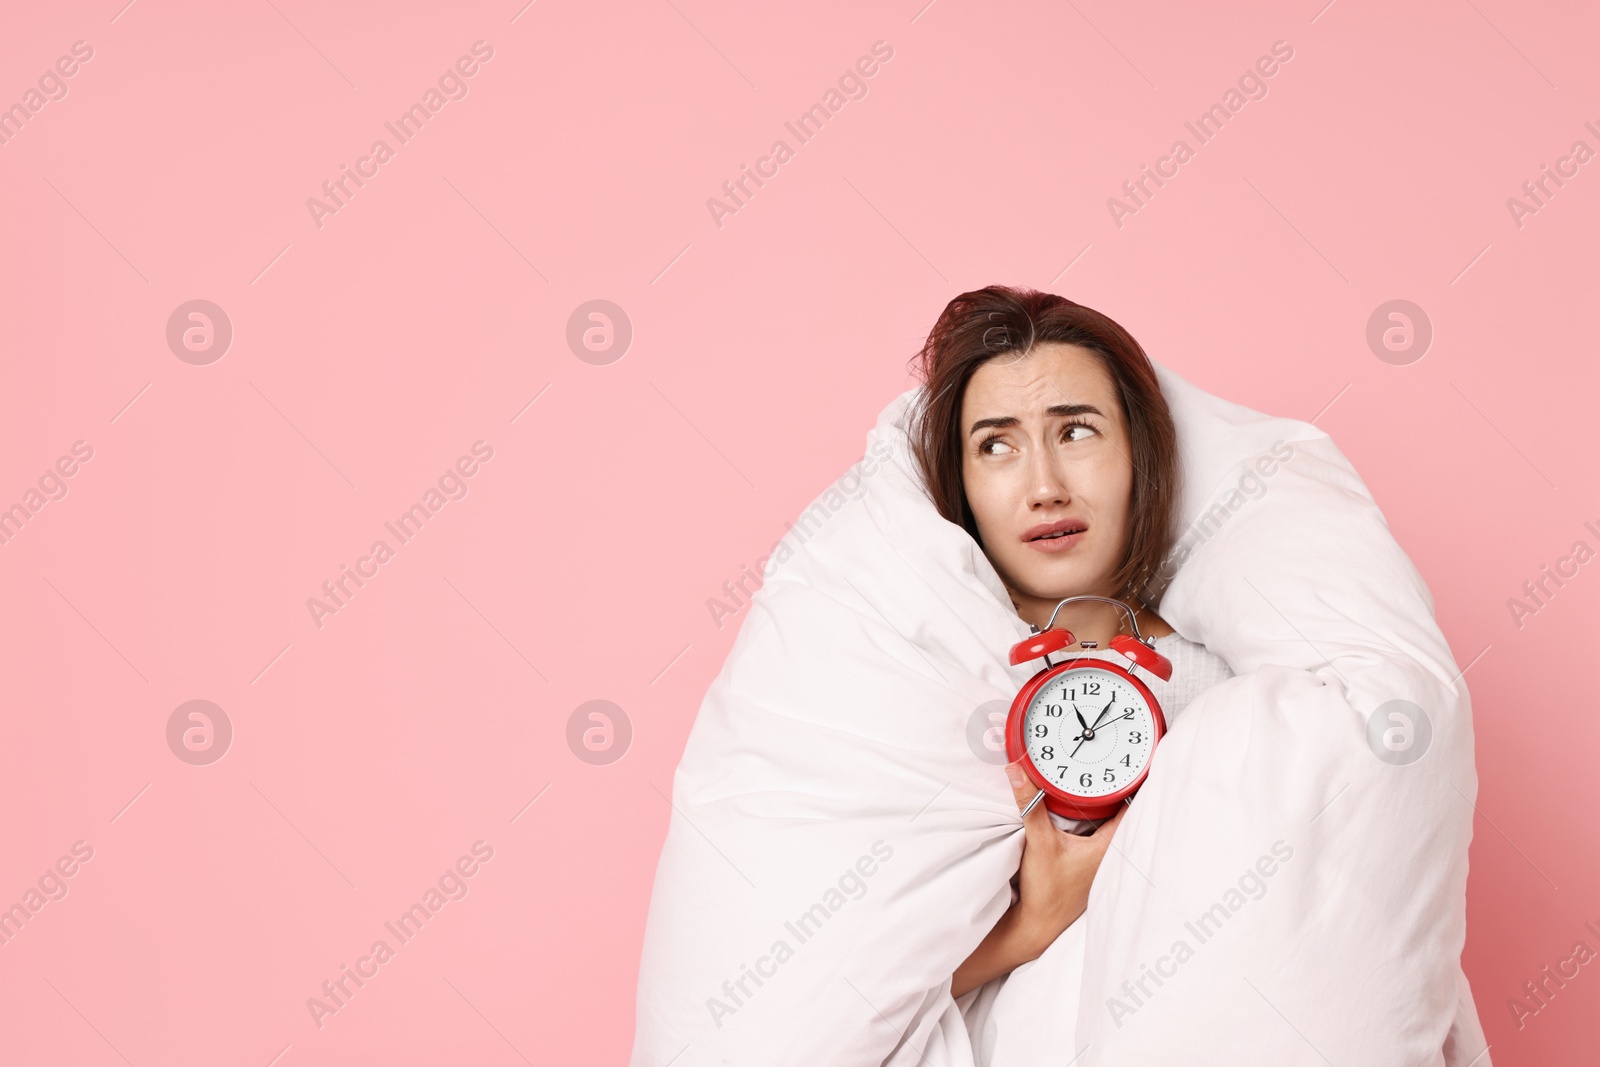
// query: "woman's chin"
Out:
[1054,586]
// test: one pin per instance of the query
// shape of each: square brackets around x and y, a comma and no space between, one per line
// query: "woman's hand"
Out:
[1053,886]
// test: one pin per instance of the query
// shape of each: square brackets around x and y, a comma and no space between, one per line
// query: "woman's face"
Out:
[1048,472]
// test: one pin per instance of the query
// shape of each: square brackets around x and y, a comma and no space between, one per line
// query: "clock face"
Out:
[1089,732]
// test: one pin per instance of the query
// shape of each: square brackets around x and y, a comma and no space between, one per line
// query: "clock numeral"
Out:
[1052,709]
[1041,730]
[1125,759]
[1085,781]
[1047,753]
[1111,775]
[1135,738]
[1091,688]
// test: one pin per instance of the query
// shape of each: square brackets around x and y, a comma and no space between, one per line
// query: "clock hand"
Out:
[1079,714]
[1119,718]
[1103,712]
[1091,729]
[1088,730]
[1107,723]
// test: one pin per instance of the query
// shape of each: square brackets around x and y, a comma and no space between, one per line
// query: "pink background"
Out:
[368,354]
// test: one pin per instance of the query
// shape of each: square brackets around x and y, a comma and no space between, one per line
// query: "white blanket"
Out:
[1276,894]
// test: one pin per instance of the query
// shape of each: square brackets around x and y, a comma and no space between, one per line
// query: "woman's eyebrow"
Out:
[999,420]
[1075,409]
[1058,410]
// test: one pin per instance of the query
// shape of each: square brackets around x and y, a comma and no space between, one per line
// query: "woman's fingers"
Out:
[1024,791]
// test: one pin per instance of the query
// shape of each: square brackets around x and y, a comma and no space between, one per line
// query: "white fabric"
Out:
[838,845]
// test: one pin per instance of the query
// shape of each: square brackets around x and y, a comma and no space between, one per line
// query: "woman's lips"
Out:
[1056,536]
[1057,544]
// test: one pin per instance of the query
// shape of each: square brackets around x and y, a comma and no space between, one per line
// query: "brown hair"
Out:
[976,327]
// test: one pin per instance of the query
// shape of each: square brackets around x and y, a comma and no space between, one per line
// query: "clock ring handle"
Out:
[1132,620]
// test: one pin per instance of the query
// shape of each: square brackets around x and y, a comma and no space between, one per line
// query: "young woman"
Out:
[1043,432]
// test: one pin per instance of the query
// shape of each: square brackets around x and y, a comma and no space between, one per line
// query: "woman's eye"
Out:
[1071,433]
[995,446]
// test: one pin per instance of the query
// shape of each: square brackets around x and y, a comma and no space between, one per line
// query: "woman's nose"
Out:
[1047,486]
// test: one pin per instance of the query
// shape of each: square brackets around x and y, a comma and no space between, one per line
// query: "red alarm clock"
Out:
[1086,726]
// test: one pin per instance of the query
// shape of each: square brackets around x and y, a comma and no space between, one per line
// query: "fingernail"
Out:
[1014,775]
